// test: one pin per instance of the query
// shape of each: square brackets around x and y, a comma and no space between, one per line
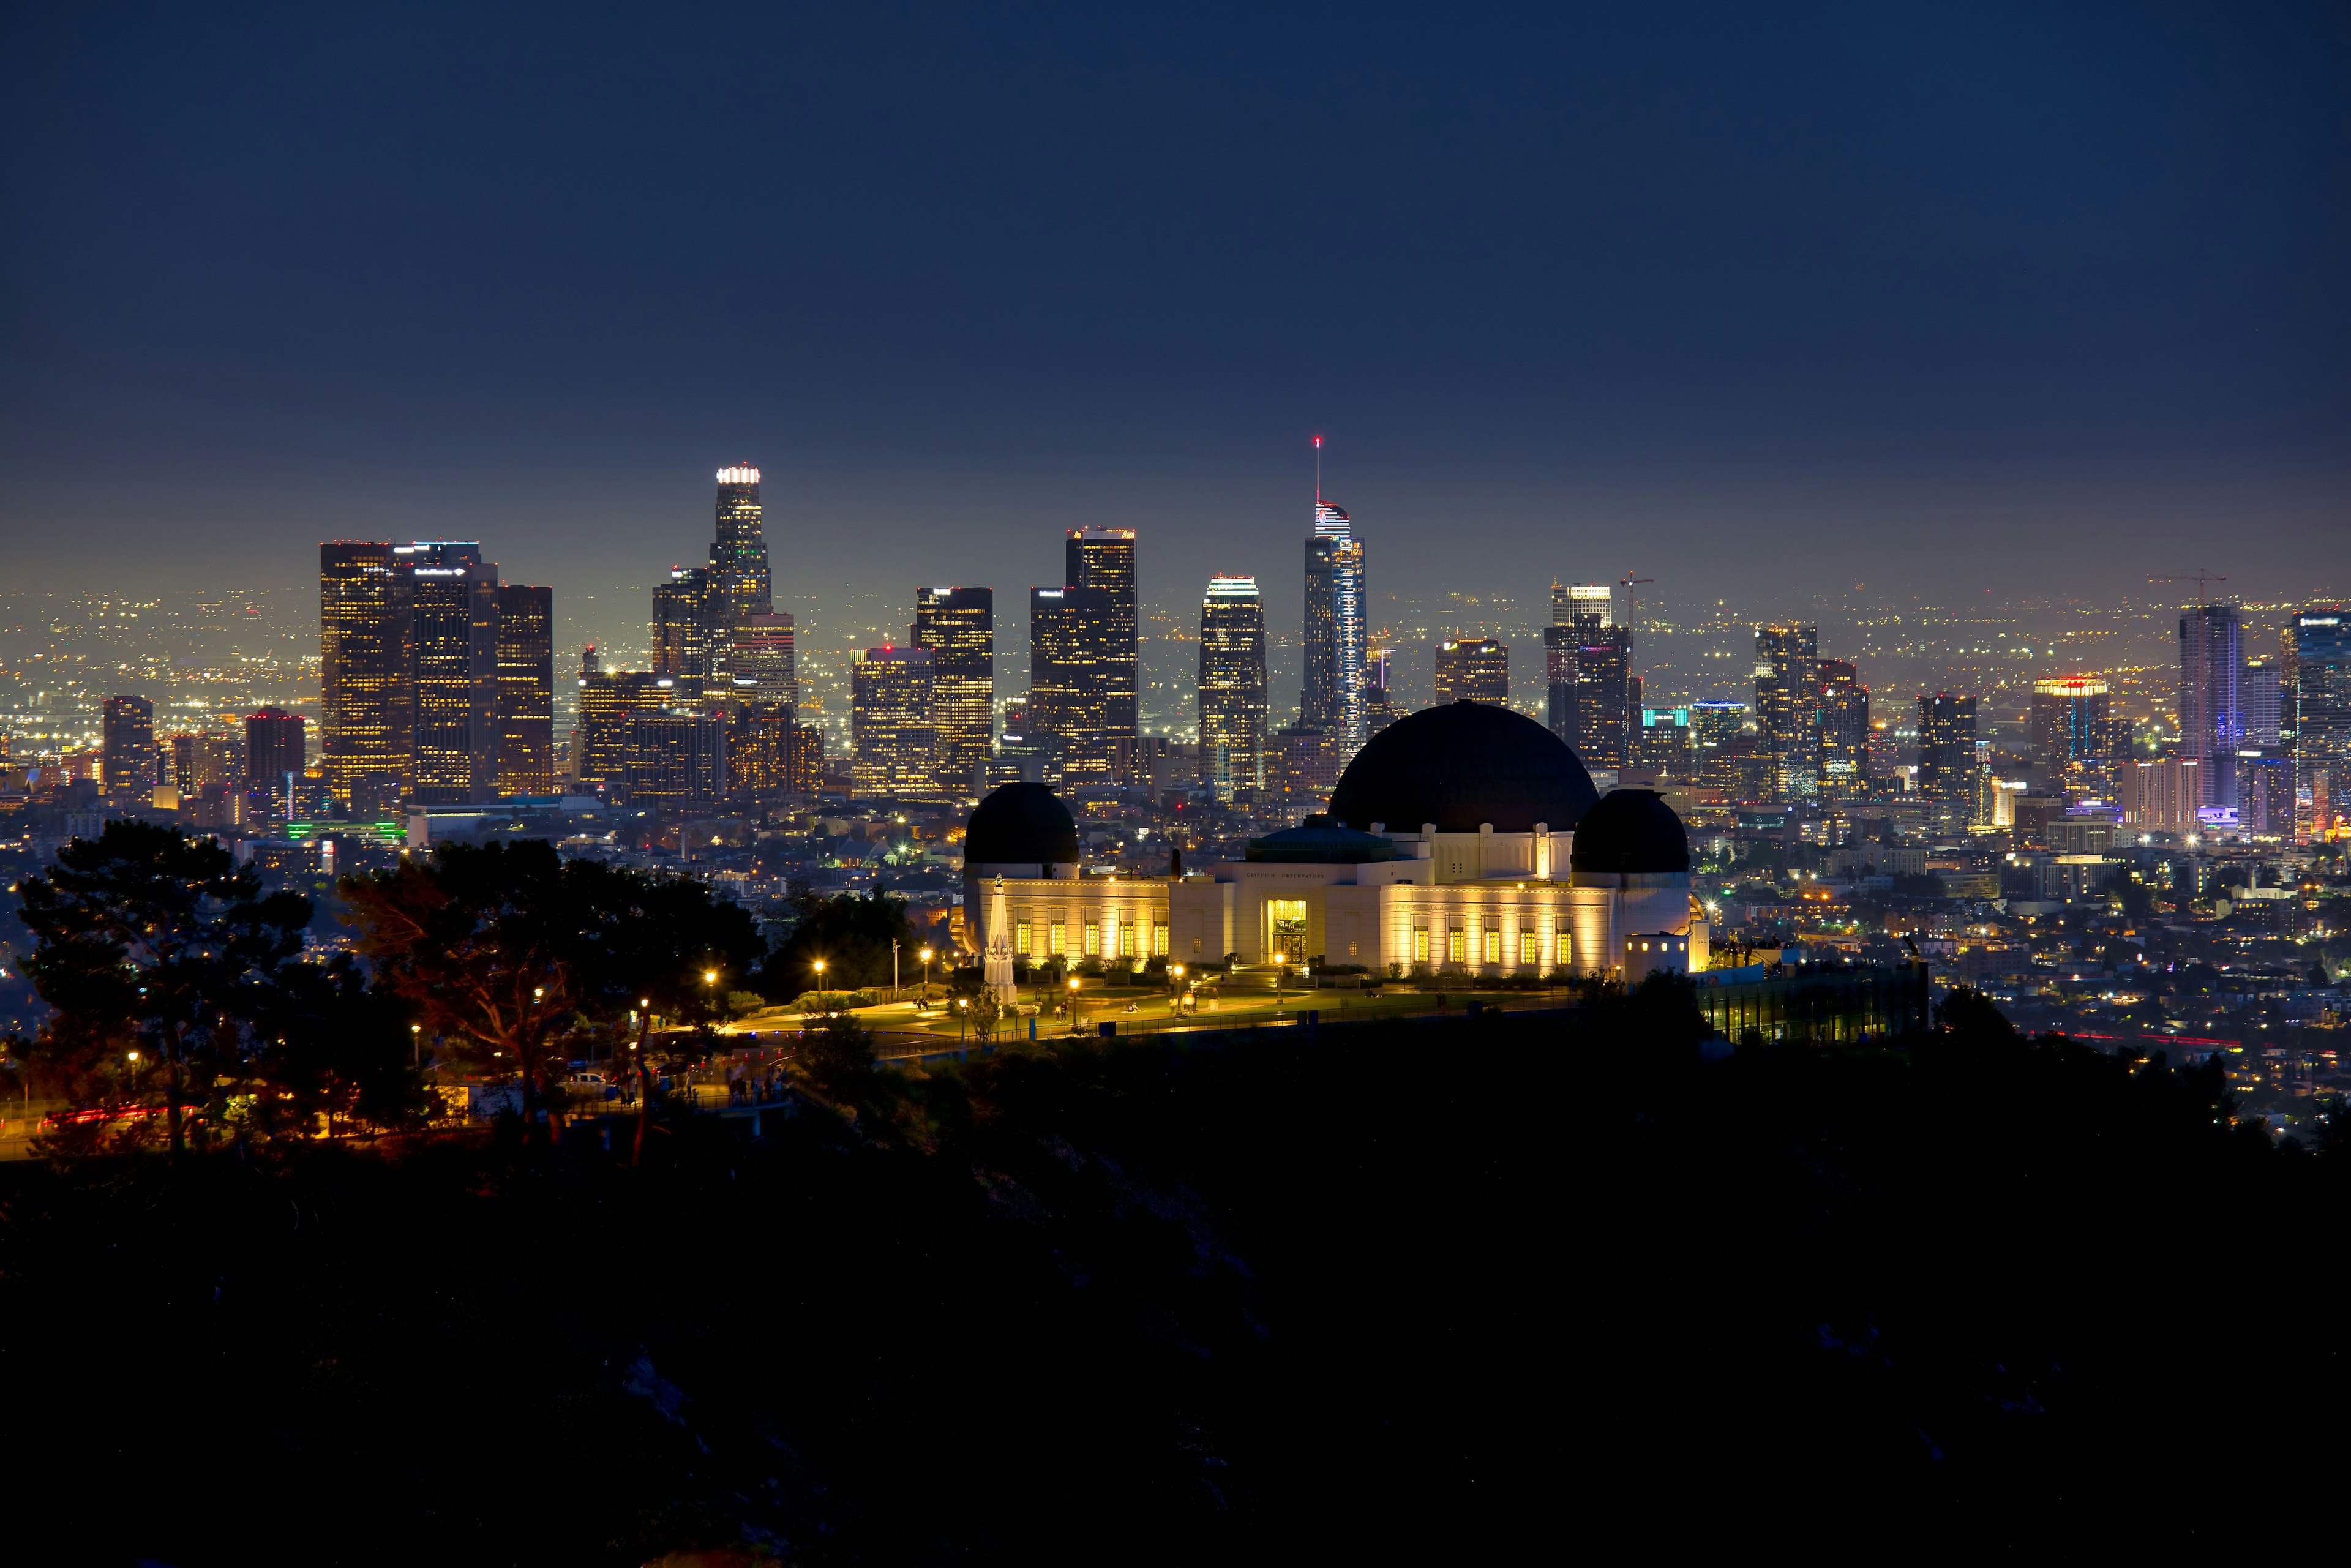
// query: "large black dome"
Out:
[1021,824]
[1460,766]
[1632,831]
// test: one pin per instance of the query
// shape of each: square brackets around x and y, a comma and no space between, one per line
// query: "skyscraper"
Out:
[1070,636]
[1844,729]
[1947,748]
[1717,729]
[127,755]
[2319,699]
[682,626]
[2211,716]
[2262,694]
[610,700]
[367,706]
[1234,709]
[1663,742]
[894,748]
[957,625]
[1477,669]
[762,667]
[2072,737]
[1336,636]
[1103,561]
[677,762]
[525,721]
[1788,709]
[274,746]
[738,558]
[1587,661]
[1379,703]
[455,601]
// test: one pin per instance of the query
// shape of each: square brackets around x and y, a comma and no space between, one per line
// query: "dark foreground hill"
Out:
[1441,1293]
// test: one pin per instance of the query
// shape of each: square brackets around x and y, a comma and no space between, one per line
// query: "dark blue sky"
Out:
[1749,296]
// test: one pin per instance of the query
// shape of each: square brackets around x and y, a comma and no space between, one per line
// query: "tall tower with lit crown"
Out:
[1331,697]
[738,556]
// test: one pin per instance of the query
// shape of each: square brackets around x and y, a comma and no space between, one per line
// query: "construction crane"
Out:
[2199,577]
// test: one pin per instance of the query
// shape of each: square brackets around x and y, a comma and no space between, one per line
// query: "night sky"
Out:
[1754,299]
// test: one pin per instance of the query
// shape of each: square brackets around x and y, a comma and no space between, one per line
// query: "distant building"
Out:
[2160,794]
[894,741]
[738,556]
[1301,768]
[772,757]
[1103,560]
[1336,641]
[526,690]
[1947,748]
[762,667]
[1844,729]
[274,745]
[610,700]
[1071,635]
[2073,736]
[1589,702]
[1379,705]
[1234,704]
[456,599]
[1715,731]
[677,763]
[367,698]
[1663,742]
[128,748]
[957,625]
[201,762]
[1472,669]
[1788,709]
[2212,710]
[684,620]
[2318,651]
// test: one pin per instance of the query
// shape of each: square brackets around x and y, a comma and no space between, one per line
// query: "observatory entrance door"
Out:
[1286,919]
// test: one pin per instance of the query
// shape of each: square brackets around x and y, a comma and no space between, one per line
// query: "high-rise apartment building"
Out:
[957,625]
[762,663]
[1844,730]
[1070,636]
[1102,561]
[1947,748]
[893,740]
[1337,631]
[367,671]
[610,700]
[127,749]
[1788,709]
[456,601]
[525,693]
[2211,711]
[738,556]
[1234,706]
[274,745]
[2072,737]
[1301,768]
[1473,669]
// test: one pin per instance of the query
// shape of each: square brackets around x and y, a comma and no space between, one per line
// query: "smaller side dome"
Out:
[1319,841]
[1021,824]
[1630,833]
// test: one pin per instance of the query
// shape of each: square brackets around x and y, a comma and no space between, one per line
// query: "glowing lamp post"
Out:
[925,957]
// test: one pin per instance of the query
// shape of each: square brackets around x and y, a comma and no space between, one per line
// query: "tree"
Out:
[500,948]
[852,934]
[1968,1014]
[148,935]
[337,1047]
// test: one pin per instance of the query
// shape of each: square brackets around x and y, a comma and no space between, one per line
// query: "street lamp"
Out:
[134,1073]
[416,1043]
[1073,1004]
[926,955]
[1279,960]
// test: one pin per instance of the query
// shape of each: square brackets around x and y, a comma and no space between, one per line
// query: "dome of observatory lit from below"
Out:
[1463,766]
[1021,824]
